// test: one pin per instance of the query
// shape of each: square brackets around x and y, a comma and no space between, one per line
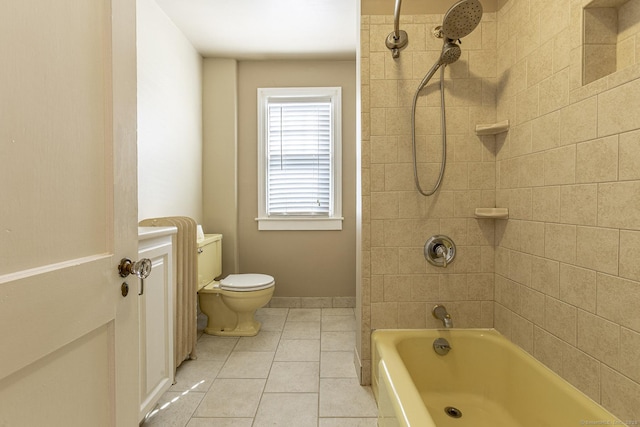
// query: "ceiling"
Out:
[268,29]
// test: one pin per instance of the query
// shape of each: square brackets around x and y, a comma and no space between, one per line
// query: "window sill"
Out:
[266,224]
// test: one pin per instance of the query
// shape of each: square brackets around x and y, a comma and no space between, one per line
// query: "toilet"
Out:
[231,303]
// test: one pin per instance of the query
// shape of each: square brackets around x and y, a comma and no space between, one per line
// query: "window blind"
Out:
[299,158]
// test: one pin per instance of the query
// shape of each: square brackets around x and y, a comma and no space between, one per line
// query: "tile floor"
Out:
[297,372]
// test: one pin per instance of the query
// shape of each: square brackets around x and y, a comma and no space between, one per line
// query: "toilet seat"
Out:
[246,282]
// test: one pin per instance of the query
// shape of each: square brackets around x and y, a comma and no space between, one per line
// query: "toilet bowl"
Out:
[230,304]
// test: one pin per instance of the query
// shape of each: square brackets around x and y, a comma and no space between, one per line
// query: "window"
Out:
[299,159]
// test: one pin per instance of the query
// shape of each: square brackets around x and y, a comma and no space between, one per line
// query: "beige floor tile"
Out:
[236,398]
[338,323]
[293,377]
[210,347]
[247,364]
[298,351]
[337,364]
[301,331]
[174,409]
[326,312]
[271,323]
[220,422]
[345,397]
[264,341]
[337,341]
[288,409]
[196,375]
[347,422]
[304,315]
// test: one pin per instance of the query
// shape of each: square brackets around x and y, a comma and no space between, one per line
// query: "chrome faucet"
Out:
[440,312]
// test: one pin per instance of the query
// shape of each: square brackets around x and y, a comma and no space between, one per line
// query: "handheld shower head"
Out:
[450,53]
[461,19]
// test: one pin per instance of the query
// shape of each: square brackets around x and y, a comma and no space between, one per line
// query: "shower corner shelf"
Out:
[492,129]
[492,213]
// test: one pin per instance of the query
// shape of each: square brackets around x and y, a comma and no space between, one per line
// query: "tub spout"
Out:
[440,313]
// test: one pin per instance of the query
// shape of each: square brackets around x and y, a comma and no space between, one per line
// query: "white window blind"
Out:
[299,158]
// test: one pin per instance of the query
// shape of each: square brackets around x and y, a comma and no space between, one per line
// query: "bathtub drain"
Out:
[453,412]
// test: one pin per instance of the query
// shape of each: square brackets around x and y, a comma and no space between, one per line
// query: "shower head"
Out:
[450,53]
[461,19]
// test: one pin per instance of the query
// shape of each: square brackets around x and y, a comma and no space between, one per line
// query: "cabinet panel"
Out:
[157,309]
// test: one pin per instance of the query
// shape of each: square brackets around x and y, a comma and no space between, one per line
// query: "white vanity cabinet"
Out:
[156,316]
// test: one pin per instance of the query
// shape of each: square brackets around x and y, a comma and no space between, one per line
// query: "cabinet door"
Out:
[156,323]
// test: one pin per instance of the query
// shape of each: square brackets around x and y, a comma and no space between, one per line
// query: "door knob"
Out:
[140,269]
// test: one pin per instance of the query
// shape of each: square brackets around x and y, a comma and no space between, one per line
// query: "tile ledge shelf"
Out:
[492,213]
[492,129]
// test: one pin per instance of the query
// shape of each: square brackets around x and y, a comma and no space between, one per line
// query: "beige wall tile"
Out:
[507,293]
[384,205]
[630,254]
[619,205]
[532,305]
[522,333]
[629,351]
[520,200]
[527,105]
[560,319]
[546,204]
[599,338]
[545,276]
[384,260]
[425,287]
[620,395]
[597,161]
[453,287]
[384,315]
[629,149]
[560,165]
[560,242]
[384,149]
[617,109]
[579,204]
[578,287]
[618,300]
[597,248]
[578,122]
[530,233]
[549,349]
[554,92]
[411,315]
[520,267]
[582,371]
[531,170]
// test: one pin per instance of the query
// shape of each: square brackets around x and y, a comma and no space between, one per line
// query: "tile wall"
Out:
[561,277]
[568,259]
[399,287]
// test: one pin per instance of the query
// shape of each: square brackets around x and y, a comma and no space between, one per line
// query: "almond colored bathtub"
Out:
[488,379]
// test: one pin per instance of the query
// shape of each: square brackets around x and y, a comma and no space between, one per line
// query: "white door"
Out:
[68,213]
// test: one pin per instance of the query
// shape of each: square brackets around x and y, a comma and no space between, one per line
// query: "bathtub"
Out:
[484,379]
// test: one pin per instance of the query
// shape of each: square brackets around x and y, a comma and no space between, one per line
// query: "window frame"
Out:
[301,222]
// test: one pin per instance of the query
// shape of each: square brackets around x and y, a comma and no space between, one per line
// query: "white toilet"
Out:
[232,302]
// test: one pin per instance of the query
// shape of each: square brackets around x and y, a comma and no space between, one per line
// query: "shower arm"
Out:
[396,20]
[397,39]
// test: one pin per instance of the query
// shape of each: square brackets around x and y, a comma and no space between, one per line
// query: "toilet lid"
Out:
[246,282]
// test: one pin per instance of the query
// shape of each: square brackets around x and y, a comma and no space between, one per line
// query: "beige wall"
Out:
[169,118]
[399,287]
[219,156]
[304,263]
[567,281]
[567,277]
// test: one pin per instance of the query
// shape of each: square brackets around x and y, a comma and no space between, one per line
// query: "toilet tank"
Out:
[209,259]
